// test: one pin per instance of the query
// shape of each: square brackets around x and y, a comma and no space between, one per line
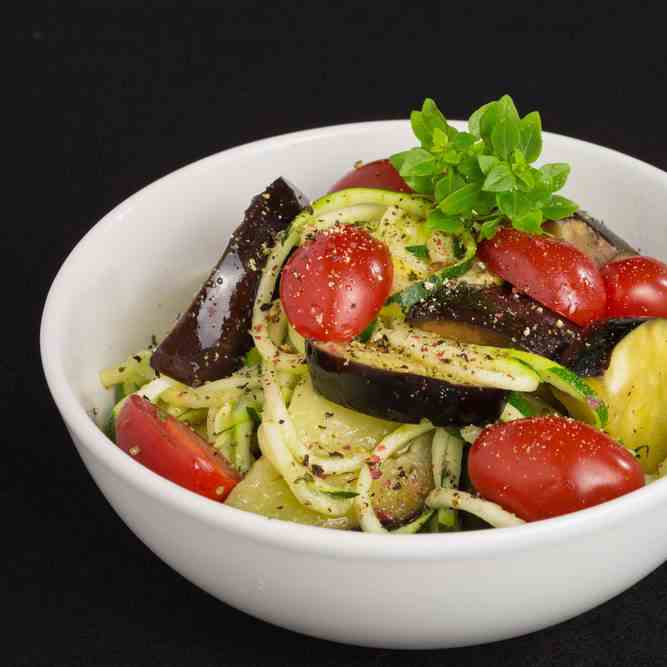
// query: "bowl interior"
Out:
[132,274]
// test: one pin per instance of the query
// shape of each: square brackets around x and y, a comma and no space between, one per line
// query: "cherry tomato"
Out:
[553,272]
[547,466]
[379,174]
[333,287]
[636,287]
[173,450]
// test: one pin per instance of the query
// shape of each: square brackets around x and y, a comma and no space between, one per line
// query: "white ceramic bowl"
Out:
[137,268]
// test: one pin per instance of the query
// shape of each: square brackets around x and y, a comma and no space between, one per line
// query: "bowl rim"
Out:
[283,534]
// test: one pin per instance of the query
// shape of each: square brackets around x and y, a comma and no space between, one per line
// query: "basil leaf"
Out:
[530,222]
[432,116]
[559,207]
[420,251]
[440,140]
[488,121]
[422,185]
[417,162]
[489,228]
[486,202]
[505,137]
[451,156]
[449,183]
[419,127]
[556,173]
[531,136]
[463,141]
[487,162]
[513,204]
[508,108]
[475,118]
[499,179]
[525,177]
[470,168]
[446,223]
[461,200]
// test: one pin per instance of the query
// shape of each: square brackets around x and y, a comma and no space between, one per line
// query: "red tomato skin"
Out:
[332,287]
[380,174]
[173,450]
[636,287]
[544,467]
[553,272]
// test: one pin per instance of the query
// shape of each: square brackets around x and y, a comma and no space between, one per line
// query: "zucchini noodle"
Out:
[271,437]
[447,452]
[260,330]
[276,410]
[484,509]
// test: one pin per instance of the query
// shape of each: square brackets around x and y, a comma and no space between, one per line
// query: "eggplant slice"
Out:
[397,394]
[210,339]
[495,315]
[590,236]
[590,355]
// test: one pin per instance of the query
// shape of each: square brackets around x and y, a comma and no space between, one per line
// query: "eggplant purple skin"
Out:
[400,397]
[502,310]
[590,356]
[210,339]
[590,236]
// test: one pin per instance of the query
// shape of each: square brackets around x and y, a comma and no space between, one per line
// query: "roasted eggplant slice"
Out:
[591,236]
[496,316]
[211,337]
[590,354]
[634,387]
[397,389]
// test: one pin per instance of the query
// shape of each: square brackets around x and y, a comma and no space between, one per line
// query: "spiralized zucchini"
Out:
[247,417]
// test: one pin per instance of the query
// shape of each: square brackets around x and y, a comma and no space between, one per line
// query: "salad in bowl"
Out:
[441,342]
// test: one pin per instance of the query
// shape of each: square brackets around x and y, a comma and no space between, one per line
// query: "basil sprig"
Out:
[484,176]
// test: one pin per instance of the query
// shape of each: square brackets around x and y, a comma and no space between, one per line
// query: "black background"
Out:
[102,103]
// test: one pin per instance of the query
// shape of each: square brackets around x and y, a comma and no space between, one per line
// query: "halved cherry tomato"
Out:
[636,287]
[379,174]
[547,466]
[553,272]
[333,287]
[173,450]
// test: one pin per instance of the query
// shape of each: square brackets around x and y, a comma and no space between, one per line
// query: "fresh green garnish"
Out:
[484,176]
[420,251]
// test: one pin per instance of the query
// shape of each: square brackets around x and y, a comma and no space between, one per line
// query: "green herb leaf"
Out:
[505,137]
[419,127]
[489,228]
[420,251]
[449,183]
[417,162]
[462,200]
[432,116]
[475,118]
[559,207]
[499,179]
[450,224]
[530,222]
[556,174]
[531,136]
[508,108]
[514,204]
[487,162]
[469,168]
